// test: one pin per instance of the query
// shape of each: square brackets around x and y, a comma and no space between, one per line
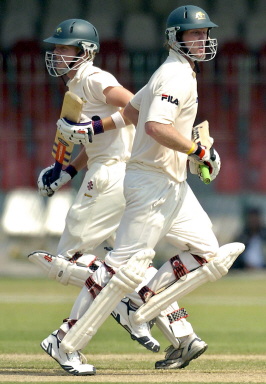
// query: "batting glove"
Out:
[44,184]
[80,133]
[214,165]
[200,154]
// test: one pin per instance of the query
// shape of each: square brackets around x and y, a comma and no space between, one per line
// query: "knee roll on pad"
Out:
[214,271]
[59,270]
[67,273]
[131,275]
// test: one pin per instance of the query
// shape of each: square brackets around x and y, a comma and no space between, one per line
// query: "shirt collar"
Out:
[88,67]
[177,56]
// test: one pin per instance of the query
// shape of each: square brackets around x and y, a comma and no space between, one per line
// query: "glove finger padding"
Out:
[77,133]
[43,181]
[214,164]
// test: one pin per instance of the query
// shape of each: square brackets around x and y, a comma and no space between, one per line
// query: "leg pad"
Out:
[210,271]
[60,269]
[124,281]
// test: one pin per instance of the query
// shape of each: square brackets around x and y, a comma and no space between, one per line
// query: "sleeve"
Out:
[136,100]
[99,82]
[166,103]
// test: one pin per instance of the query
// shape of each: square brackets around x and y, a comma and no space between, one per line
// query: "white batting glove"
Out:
[80,133]
[44,183]
[214,165]
[200,154]
[47,189]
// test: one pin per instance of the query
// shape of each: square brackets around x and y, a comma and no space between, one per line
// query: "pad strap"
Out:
[93,287]
[178,267]
[179,314]
[145,293]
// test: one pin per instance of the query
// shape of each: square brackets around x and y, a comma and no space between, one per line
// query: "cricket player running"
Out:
[100,202]
[159,203]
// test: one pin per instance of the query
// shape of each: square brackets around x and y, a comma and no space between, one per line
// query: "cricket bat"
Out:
[62,149]
[200,134]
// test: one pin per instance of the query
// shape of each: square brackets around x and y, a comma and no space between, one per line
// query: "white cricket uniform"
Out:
[99,204]
[159,201]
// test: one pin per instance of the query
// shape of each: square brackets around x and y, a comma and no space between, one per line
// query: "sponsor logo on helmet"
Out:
[200,16]
[169,99]
[58,31]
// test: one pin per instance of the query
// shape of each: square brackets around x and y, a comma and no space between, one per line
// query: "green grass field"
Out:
[230,315]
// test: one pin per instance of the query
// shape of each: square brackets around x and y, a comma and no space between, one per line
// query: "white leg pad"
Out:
[173,330]
[211,271]
[60,269]
[124,281]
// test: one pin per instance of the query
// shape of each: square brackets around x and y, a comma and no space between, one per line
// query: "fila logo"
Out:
[169,99]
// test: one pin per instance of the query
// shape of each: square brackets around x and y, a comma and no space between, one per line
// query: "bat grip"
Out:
[205,174]
[56,172]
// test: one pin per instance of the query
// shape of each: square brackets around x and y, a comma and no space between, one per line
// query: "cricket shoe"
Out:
[176,358]
[123,314]
[74,363]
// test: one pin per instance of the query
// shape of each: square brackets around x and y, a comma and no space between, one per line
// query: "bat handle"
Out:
[56,172]
[205,174]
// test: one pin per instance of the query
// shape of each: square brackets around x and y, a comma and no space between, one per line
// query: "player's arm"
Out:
[168,136]
[131,113]
[80,160]
[83,132]
[119,97]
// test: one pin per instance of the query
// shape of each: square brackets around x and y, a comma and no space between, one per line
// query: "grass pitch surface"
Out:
[228,314]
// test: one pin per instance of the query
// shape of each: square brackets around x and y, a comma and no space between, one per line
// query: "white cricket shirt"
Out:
[170,97]
[89,84]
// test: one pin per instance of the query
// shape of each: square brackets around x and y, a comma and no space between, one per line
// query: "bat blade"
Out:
[201,134]
[62,148]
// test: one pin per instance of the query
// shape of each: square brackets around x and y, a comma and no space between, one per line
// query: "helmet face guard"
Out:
[187,18]
[184,47]
[77,33]
[54,61]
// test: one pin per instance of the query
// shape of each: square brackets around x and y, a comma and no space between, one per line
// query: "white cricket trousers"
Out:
[157,207]
[96,212]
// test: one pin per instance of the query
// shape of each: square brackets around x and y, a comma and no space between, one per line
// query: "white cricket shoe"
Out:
[123,314]
[190,348]
[74,363]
